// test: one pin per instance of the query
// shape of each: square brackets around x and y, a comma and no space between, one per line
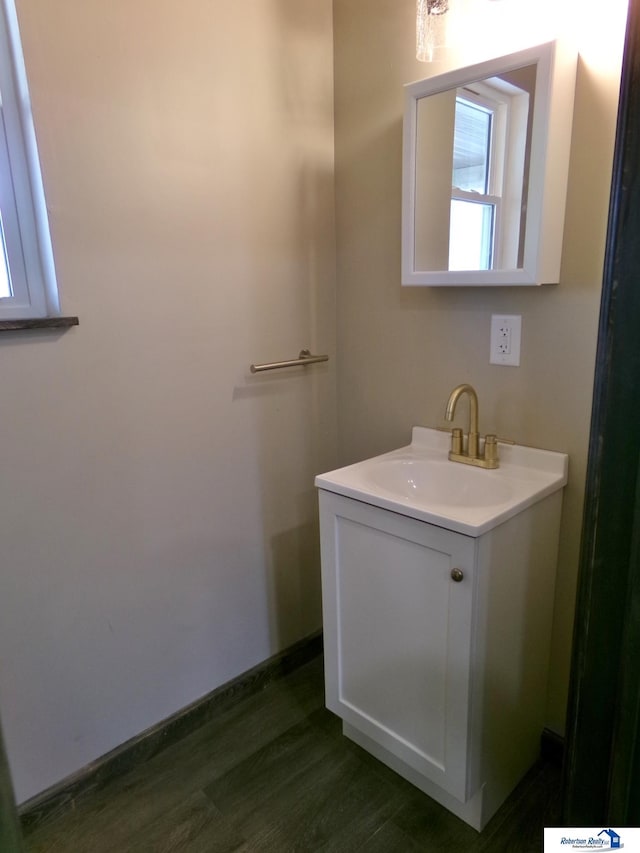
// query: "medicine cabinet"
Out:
[485,168]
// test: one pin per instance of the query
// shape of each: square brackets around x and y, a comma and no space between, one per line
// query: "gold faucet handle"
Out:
[501,440]
[456,440]
[491,448]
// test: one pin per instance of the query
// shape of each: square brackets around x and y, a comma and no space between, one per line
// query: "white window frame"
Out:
[507,162]
[509,109]
[22,200]
[495,157]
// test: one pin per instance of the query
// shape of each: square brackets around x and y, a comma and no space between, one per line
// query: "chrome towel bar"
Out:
[304,358]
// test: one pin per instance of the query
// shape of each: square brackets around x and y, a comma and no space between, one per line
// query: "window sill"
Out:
[40,323]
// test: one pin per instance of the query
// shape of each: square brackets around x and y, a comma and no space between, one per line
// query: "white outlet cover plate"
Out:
[505,329]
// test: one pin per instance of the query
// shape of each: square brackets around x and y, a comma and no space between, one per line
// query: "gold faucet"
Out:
[471,456]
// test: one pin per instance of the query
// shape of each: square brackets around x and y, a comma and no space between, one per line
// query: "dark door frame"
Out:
[10,835]
[602,768]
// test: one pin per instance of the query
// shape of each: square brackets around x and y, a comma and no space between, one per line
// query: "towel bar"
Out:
[304,359]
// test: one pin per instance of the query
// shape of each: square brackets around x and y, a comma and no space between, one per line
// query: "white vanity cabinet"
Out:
[437,644]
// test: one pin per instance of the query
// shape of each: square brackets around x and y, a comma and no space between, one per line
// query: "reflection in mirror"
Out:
[480,173]
[472,157]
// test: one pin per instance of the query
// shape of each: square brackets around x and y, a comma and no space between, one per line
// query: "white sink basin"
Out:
[421,482]
[433,481]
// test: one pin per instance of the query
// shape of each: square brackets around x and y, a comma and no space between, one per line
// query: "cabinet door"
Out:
[397,633]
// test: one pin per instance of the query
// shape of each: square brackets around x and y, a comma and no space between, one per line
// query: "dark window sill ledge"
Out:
[40,323]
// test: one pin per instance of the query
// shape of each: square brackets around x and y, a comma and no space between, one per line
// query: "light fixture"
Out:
[430,27]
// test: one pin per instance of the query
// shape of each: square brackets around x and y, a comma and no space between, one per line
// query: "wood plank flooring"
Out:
[274,773]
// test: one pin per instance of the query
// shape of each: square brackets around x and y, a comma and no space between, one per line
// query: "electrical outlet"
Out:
[506,331]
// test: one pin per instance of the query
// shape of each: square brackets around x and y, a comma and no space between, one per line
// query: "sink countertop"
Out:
[419,481]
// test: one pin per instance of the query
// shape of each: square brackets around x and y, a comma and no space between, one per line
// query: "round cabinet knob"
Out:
[457,575]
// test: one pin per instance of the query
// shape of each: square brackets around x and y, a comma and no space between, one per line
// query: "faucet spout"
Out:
[473,446]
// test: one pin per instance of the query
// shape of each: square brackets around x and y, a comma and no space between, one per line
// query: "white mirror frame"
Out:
[548,174]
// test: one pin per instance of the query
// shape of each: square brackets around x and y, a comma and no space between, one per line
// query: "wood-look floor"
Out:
[274,773]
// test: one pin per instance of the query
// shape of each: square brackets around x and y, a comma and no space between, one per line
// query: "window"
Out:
[474,200]
[27,275]
[487,181]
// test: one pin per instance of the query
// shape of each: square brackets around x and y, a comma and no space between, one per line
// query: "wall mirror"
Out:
[485,168]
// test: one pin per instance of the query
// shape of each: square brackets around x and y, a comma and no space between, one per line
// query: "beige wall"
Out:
[157,511]
[435,128]
[402,350]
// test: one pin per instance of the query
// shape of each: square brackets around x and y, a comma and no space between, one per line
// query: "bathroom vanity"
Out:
[438,584]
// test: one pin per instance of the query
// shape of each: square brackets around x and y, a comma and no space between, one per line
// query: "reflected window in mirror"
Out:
[473,205]
[489,174]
